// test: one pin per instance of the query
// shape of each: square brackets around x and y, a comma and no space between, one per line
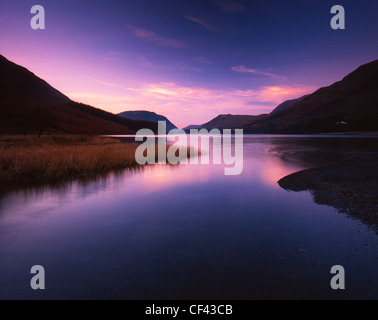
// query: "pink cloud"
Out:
[215,23]
[109,84]
[153,37]
[243,69]
[202,23]
[204,60]
[114,56]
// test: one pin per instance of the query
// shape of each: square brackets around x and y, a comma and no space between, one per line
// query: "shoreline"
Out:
[350,186]
[352,133]
[28,161]
[51,159]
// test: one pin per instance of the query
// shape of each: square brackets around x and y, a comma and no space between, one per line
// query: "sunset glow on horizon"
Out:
[187,60]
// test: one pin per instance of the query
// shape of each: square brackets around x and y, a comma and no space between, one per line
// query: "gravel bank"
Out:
[351,186]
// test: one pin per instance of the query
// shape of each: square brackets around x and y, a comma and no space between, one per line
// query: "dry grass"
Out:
[55,158]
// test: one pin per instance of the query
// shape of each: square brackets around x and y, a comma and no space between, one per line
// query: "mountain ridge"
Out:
[143,115]
[30,105]
[348,105]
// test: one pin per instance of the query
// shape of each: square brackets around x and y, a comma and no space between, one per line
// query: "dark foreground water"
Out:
[190,232]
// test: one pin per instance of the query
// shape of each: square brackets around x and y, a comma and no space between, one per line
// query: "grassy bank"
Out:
[26,160]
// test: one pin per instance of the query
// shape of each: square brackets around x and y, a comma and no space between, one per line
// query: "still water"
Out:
[190,232]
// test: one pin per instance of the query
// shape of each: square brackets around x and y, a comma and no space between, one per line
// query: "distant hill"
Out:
[147,116]
[31,105]
[348,105]
[227,121]
[192,127]
[232,121]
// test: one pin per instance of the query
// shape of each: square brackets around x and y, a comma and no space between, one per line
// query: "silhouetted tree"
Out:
[5,112]
[43,118]
[45,121]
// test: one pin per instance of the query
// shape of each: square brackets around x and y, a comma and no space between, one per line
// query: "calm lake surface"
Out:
[190,232]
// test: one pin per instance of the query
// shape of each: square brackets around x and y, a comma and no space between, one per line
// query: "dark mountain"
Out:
[348,105]
[290,104]
[28,105]
[192,126]
[232,121]
[147,116]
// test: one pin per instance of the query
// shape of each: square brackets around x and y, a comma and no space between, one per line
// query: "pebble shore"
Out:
[351,186]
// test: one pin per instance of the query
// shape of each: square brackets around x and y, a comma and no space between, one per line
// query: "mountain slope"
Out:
[192,127]
[28,104]
[289,104]
[348,105]
[228,121]
[147,116]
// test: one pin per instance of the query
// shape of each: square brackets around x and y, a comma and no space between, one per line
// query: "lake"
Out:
[191,232]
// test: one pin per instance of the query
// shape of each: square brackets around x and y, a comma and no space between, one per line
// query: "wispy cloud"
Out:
[108,84]
[216,23]
[115,56]
[204,60]
[207,25]
[243,69]
[153,37]
[230,6]
[171,66]
[144,62]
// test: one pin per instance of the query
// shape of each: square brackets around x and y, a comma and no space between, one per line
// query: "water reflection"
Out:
[189,231]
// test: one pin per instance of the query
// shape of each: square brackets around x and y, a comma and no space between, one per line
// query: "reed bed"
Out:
[55,158]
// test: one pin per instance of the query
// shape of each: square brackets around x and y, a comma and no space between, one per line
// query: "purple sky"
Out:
[186,59]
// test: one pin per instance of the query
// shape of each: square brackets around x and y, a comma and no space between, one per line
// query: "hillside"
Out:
[348,105]
[232,121]
[192,127]
[30,105]
[147,116]
[287,105]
